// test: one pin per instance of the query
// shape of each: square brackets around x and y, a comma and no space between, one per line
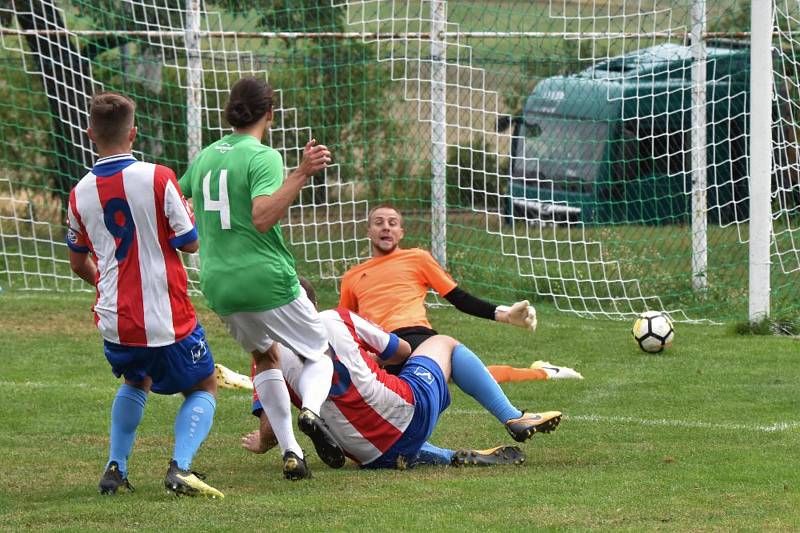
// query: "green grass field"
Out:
[703,437]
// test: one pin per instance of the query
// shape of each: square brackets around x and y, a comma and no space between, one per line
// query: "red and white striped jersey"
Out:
[367,408]
[131,216]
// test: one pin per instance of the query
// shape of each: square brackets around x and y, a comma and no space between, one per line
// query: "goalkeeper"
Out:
[390,290]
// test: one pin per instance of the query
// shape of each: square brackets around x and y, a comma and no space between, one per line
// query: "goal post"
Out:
[699,144]
[438,132]
[761,83]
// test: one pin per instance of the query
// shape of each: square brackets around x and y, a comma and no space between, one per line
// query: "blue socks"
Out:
[192,425]
[471,376]
[126,413]
[433,455]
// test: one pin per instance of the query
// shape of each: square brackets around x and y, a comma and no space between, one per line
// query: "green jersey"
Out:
[241,269]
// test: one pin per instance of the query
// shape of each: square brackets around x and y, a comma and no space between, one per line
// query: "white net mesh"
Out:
[327,233]
[786,186]
[585,202]
[564,263]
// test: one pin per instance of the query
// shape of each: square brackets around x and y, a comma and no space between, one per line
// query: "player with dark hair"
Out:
[390,290]
[127,219]
[247,273]
[384,421]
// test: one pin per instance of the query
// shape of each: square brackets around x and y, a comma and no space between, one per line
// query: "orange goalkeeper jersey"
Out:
[390,290]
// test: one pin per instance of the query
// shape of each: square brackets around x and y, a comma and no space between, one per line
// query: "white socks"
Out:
[274,398]
[315,382]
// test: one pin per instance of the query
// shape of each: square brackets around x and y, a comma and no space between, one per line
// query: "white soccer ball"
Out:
[653,331]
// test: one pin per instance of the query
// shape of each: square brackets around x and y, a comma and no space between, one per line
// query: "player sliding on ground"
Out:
[247,273]
[260,442]
[382,420]
[131,218]
[390,290]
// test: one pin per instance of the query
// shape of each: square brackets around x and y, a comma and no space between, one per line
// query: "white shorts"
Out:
[296,325]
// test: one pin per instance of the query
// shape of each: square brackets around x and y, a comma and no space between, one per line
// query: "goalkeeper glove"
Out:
[521,314]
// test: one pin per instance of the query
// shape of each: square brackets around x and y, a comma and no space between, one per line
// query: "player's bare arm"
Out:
[260,440]
[268,210]
[400,355]
[84,267]
[190,247]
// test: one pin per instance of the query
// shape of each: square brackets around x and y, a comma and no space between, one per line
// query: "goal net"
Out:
[592,154]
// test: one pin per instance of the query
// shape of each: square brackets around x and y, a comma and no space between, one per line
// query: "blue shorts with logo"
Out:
[174,368]
[431,398]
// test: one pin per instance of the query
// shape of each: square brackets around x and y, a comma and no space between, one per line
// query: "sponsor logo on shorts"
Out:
[424,374]
[198,351]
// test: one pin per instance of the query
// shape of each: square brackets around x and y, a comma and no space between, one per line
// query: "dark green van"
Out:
[612,144]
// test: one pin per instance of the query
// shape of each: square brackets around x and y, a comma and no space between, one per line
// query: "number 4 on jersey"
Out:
[220,205]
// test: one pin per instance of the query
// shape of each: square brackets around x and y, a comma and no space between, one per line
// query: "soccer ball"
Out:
[653,331]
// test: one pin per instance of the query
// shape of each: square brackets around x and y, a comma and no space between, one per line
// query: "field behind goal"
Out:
[702,437]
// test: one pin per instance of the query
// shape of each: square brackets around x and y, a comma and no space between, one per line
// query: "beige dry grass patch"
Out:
[76,330]
[29,204]
[42,321]
[74,319]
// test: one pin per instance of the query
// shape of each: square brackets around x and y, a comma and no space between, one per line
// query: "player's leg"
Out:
[470,375]
[439,348]
[188,367]
[433,455]
[192,425]
[498,455]
[426,373]
[252,333]
[127,411]
[414,336]
[194,420]
[506,373]
[539,370]
[270,386]
[298,327]
[264,438]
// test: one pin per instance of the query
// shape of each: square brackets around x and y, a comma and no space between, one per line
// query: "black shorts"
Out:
[414,335]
